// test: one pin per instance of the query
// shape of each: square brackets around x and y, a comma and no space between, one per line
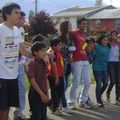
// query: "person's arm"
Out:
[27,44]
[24,51]
[44,97]
[55,72]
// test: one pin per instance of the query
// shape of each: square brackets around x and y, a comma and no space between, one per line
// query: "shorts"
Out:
[9,93]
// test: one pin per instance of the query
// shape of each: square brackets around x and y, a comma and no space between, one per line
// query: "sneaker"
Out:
[20,116]
[73,107]
[58,112]
[66,110]
[118,102]
[84,105]
[91,104]
[108,98]
[100,105]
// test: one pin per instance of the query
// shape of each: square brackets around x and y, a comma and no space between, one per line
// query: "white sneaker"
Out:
[20,116]
[84,105]
[58,112]
[91,104]
[73,107]
[66,110]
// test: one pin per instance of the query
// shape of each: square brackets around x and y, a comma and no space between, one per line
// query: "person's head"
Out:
[82,24]
[91,42]
[114,33]
[103,39]
[22,19]
[11,13]
[1,19]
[38,50]
[65,28]
[56,43]
[38,38]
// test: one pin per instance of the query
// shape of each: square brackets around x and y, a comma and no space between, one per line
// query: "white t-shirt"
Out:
[114,54]
[22,58]
[9,51]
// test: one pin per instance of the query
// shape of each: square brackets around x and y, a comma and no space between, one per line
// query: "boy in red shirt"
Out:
[55,77]
[37,74]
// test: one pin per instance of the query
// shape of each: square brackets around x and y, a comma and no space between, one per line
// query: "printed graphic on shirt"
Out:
[11,52]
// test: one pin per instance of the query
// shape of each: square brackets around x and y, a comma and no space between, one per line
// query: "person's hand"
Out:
[56,81]
[45,98]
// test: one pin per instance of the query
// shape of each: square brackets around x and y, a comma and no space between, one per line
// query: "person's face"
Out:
[14,17]
[1,19]
[40,54]
[58,47]
[104,41]
[22,21]
[83,25]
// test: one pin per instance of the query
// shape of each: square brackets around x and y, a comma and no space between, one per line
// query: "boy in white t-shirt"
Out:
[10,44]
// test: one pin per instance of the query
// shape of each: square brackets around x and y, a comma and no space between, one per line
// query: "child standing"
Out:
[37,74]
[100,67]
[55,77]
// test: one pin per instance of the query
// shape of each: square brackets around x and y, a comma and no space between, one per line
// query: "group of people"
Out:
[70,53]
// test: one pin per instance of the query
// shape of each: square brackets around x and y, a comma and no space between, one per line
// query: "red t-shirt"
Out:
[79,39]
[39,70]
[59,63]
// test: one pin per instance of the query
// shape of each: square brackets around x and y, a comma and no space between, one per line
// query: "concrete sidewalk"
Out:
[109,112]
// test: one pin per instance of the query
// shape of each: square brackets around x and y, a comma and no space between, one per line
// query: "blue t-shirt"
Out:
[102,57]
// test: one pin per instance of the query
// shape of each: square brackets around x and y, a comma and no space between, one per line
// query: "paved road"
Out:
[110,112]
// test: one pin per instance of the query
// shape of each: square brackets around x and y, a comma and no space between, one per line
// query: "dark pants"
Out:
[37,107]
[101,78]
[114,73]
[56,91]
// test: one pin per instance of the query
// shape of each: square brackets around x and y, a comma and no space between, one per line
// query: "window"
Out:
[98,23]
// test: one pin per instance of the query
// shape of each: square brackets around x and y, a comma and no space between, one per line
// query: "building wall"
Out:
[106,25]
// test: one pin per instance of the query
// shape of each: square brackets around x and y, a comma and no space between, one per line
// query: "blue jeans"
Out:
[22,89]
[101,78]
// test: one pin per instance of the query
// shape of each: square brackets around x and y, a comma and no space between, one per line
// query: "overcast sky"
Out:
[53,6]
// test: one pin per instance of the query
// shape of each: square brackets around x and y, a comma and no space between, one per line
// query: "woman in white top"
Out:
[114,67]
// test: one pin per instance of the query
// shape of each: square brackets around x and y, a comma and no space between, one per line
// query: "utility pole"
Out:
[36,5]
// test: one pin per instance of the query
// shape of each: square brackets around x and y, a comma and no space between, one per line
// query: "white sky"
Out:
[115,3]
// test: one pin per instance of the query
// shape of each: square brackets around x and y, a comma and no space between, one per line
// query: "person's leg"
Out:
[54,94]
[104,81]
[86,78]
[22,91]
[118,82]
[4,109]
[76,69]
[112,74]
[4,114]
[98,79]
[44,111]
[35,105]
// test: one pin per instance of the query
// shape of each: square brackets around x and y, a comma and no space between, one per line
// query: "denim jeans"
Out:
[81,71]
[101,78]
[114,73]
[22,89]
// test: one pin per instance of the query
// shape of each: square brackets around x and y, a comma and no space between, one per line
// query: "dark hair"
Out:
[101,37]
[22,14]
[0,11]
[55,40]
[38,38]
[64,30]
[80,20]
[37,46]
[113,32]
[91,40]
[7,9]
